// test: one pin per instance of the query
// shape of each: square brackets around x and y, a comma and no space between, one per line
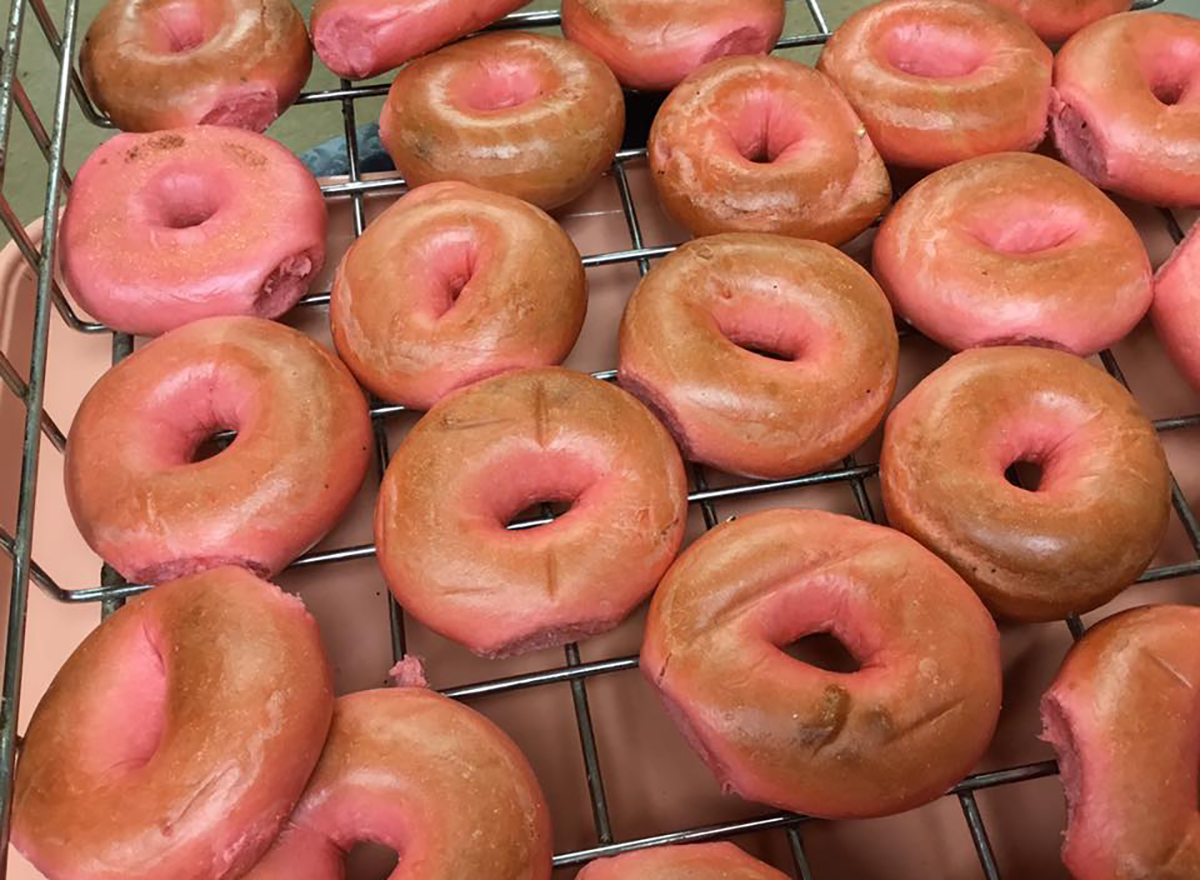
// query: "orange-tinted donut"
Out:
[1126,110]
[489,451]
[701,861]
[177,738]
[426,776]
[1070,544]
[153,64]
[1176,309]
[765,145]
[453,284]
[939,81]
[684,341]
[302,449]
[895,734]
[1055,20]
[1013,248]
[533,117]
[1124,716]
[653,44]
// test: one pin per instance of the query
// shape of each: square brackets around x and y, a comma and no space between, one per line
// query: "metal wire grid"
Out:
[113,591]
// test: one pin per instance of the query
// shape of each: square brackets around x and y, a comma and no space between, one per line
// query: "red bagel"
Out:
[1071,543]
[891,736]
[1126,113]
[701,861]
[1176,309]
[453,284]
[154,64]
[765,145]
[489,451]
[301,452]
[1013,248]
[653,45]
[1124,716]
[939,81]
[425,776]
[176,739]
[530,116]
[683,350]
[1055,20]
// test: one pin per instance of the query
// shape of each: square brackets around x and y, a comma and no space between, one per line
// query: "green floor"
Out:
[24,180]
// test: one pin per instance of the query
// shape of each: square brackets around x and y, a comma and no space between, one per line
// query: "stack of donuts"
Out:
[756,348]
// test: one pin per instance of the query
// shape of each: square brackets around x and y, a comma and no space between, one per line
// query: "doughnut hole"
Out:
[497,86]
[824,651]
[933,50]
[449,259]
[763,328]
[366,858]
[180,26]
[1170,68]
[1024,474]
[182,198]
[1040,450]
[764,128]
[1018,228]
[821,623]
[536,480]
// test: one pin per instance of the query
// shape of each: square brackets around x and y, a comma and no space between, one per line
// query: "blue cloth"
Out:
[329,159]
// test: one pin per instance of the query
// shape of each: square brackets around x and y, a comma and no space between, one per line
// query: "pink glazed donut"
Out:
[1124,716]
[1176,309]
[701,861]
[1055,20]
[1013,248]
[1126,107]
[166,228]
[154,513]
[653,45]
[425,776]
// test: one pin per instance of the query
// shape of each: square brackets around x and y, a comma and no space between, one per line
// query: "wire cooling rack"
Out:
[112,591]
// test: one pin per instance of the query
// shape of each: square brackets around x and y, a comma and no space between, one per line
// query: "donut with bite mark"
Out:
[154,513]
[939,81]
[911,722]
[1176,309]
[653,45]
[155,64]
[1055,20]
[701,861]
[200,708]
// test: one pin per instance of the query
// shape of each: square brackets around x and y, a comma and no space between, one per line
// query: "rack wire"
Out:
[112,592]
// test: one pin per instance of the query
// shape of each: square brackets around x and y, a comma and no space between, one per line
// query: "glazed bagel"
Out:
[1125,112]
[1071,543]
[533,117]
[1055,20]
[162,229]
[154,64]
[893,735]
[1013,248]
[489,451]
[765,145]
[1124,717]
[701,861]
[452,284]
[425,776]
[653,45]
[684,341]
[1176,309]
[200,709]
[303,444]
[358,39]
[939,81]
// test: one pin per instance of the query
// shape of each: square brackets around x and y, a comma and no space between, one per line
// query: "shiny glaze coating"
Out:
[487,452]
[939,81]
[425,776]
[1096,517]
[1176,309]
[684,340]
[358,39]
[1055,20]
[765,145]
[154,64]
[177,738]
[453,284]
[534,117]
[653,44]
[701,861]
[162,229]
[302,449]
[1126,110]
[1124,716]
[1009,248]
[911,722]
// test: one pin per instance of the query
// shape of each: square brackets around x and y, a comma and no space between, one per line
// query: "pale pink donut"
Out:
[701,861]
[653,44]
[1176,309]
[162,229]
